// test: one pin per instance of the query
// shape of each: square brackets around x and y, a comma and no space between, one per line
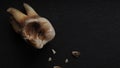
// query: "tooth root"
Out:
[18,15]
[30,11]
[15,25]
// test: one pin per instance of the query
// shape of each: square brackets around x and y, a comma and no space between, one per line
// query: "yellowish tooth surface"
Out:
[37,36]
[30,11]
[18,15]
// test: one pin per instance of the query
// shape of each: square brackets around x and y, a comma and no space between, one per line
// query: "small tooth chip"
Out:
[66,60]
[57,67]
[76,54]
[50,59]
[54,52]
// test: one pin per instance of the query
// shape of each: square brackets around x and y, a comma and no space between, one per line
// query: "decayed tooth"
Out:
[18,15]
[30,11]
[37,36]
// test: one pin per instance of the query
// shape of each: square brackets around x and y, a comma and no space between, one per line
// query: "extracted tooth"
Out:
[18,15]
[35,29]
[30,11]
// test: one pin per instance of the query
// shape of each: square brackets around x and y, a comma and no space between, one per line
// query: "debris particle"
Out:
[54,52]
[66,60]
[57,67]
[49,59]
[76,54]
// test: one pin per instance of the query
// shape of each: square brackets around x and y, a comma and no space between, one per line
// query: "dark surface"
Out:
[91,27]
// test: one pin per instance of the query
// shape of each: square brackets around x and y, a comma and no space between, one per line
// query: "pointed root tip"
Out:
[9,9]
[25,4]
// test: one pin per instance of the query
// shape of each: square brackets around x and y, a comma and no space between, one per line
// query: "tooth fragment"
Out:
[66,60]
[54,52]
[76,54]
[50,59]
[57,67]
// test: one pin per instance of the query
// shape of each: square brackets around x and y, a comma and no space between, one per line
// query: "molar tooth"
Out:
[25,25]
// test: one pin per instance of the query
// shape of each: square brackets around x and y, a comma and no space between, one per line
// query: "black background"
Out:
[91,27]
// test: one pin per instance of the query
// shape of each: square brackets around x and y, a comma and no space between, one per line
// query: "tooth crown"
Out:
[33,28]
